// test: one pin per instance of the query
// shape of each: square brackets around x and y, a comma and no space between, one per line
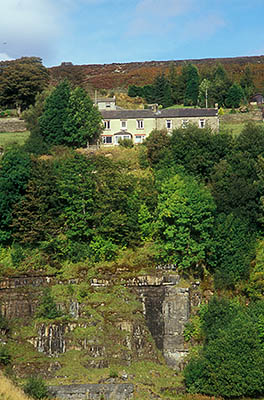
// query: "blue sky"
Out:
[106,31]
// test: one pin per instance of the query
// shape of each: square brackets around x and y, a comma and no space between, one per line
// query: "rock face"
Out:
[121,391]
[166,308]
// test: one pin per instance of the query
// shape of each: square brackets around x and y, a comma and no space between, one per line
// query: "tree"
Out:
[220,85]
[192,85]
[204,88]
[54,116]
[233,252]
[198,150]
[69,117]
[14,174]
[184,222]
[157,146]
[35,143]
[247,83]
[47,307]
[36,215]
[231,362]
[162,91]
[234,96]
[21,80]
[84,121]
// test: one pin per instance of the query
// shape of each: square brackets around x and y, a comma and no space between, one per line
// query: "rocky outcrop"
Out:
[121,391]
[165,304]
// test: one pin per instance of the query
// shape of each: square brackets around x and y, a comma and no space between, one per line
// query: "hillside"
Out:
[8,391]
[121,75]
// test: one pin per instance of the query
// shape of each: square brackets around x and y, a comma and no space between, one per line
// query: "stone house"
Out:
[137,124]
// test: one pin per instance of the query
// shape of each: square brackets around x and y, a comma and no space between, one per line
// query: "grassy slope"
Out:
[8,138]
[10,392]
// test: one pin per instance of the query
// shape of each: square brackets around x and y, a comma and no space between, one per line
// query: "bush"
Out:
[127,143]
[36,388]
[231,361]
[47,308]
[3,322]
[5,357]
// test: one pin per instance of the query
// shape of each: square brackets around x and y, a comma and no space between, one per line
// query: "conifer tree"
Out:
[192,85]
[55,114]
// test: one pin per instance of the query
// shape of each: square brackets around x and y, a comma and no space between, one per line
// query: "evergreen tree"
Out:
[53,119]
[220,85]
[83,123]
[247,83]
[162,91]
[192,85]
[234,96]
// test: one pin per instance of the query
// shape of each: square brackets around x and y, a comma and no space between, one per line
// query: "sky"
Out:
[116,31]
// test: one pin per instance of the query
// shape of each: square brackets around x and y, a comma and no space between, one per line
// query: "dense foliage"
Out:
[69,118]
[230,363]
[192,200]
[191,88]
[21,80]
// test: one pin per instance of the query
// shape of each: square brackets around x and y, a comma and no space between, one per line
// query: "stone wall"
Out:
[121,391]
[12,125]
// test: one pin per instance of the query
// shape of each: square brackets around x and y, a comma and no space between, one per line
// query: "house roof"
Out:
[106,100]
[166,113]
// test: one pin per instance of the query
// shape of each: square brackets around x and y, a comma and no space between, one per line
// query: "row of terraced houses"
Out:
[137,124]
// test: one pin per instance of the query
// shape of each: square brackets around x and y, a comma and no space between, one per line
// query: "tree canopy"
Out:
[21,80]
[69,117]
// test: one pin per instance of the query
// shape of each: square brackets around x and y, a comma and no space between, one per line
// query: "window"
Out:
[107,105]
[123,124]
[185,123]
[140,124]
[107,139]
[107,124]
[201,123]
[121,137]
[169,124]
[139,138]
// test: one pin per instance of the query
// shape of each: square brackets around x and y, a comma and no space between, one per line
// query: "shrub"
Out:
[47,308]
[36,388]
[231,361]
[3,322]
[128,143]
[5,357]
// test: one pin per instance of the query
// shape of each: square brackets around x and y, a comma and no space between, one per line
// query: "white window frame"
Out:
[123,125]
[107,124]
[139,139]
[185,123]
[122,137]
[106,138]
[169,124]
[140,124]
[202,123]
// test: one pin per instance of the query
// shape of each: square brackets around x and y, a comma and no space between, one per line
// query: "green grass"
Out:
[8,138]
[179,106]
[233,128]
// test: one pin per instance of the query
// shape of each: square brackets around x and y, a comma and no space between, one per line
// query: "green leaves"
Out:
[70,118]
[184,222]
[231,361]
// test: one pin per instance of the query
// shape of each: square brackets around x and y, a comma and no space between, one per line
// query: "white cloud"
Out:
[203,28]
[34,27]
[5,57]
[155,16]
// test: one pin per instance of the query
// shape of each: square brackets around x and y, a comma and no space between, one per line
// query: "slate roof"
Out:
[166,113]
